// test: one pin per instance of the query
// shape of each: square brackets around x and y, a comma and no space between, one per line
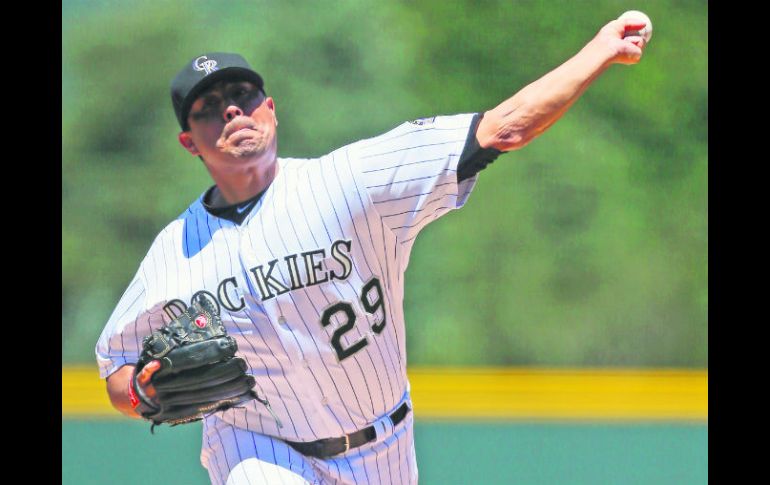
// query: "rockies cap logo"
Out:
[206,64]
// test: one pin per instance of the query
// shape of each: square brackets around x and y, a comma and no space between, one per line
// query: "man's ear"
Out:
[271,106]
[186,140]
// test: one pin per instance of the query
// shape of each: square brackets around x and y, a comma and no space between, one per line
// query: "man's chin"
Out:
[247,149]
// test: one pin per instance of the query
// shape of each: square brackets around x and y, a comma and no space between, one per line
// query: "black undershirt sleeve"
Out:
[474,158]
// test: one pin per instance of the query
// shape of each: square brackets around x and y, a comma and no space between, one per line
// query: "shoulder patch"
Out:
[423,121]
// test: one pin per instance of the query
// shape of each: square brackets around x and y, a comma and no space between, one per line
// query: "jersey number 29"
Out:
[346,310]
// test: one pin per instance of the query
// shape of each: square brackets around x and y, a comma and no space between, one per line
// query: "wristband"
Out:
[142,404]
[132,394]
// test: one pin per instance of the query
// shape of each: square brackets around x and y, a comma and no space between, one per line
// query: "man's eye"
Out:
[205,113]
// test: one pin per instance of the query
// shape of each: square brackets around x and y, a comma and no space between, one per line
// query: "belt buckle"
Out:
[347,443]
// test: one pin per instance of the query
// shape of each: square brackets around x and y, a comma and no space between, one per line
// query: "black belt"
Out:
[327,447]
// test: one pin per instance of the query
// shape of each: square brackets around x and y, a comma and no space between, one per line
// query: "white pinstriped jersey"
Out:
[310,284]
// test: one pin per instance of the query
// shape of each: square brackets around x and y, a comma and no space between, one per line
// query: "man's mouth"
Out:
[237,126]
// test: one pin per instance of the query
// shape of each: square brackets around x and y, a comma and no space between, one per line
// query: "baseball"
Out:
[646,32]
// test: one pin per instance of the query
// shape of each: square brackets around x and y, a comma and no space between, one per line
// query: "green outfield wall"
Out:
[537,426]
[448,453]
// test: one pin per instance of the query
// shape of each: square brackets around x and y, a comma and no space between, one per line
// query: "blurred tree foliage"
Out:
[588,247]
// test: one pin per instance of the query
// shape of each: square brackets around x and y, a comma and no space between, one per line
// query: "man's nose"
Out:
[231,112]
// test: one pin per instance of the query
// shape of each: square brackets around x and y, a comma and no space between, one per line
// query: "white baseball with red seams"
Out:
[645,32]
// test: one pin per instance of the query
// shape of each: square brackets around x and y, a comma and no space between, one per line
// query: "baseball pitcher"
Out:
[271,309]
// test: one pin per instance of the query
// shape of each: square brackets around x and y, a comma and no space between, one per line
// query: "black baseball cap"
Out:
[203,71]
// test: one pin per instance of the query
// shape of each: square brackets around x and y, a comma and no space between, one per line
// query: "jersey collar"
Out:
[235,213]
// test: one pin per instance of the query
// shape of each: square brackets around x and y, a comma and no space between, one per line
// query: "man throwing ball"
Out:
[299,264]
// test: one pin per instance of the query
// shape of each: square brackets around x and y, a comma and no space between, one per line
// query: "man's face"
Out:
[230,122]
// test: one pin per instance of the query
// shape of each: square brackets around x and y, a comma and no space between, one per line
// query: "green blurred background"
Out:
[588,247]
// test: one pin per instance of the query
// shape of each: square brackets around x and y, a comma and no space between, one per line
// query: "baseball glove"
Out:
[199,373]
